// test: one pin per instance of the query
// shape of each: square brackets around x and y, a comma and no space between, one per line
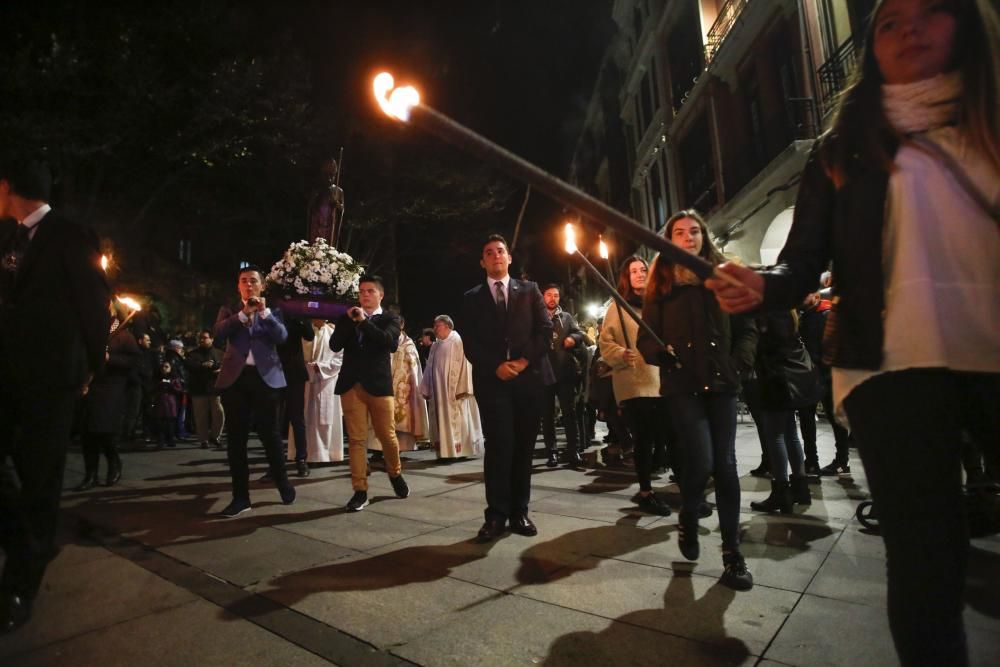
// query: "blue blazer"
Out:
[262,337]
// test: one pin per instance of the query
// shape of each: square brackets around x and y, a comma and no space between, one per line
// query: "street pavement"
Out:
[147,574]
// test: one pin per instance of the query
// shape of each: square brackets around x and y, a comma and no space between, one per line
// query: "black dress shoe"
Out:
[89,482]
[492,529]
[553,459]
[15,610]
[114,474]
[575,460]
[522,525]
[301,469]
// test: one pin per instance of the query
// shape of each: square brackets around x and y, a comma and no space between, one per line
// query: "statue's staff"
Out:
[338,221]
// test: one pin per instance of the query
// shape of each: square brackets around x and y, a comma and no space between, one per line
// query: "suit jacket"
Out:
[527,333]
[262,337]
[56,304]
[366,360]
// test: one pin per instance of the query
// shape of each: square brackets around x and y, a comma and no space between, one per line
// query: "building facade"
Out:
[714,105]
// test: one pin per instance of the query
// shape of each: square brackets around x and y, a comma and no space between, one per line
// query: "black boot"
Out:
[114,466]
[89,481]
[800,490]
[780,499]
[553,460]
[574,458]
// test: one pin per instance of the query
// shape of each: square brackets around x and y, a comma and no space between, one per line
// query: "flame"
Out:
[603,248]
[570,238]
[129,303]
[104,263]
[395,102]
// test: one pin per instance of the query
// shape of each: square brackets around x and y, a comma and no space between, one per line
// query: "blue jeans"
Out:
[705,431]
[783,445]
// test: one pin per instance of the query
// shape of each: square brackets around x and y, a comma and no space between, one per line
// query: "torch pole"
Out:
[621,318]
[468,141]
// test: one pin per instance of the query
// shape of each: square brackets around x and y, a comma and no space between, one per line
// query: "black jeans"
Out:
[34,432]
[250,398]
[93,445]
[510,414]
[705,429]
[642,415]
[566,393]
[908,426]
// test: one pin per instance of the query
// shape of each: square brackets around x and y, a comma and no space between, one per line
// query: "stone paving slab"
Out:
[494,633]
[679,602]
[196,633]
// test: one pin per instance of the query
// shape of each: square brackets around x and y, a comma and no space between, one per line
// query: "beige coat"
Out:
[637,381]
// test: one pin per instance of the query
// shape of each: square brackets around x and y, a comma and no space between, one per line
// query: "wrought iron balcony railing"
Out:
[724,22]
[836,72]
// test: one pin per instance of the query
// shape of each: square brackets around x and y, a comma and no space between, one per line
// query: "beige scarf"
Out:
[923,105]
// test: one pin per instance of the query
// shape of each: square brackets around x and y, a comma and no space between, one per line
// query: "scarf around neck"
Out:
[923,105]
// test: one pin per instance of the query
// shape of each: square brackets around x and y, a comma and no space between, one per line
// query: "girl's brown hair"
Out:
[661,273]
[624,278]
[860,130]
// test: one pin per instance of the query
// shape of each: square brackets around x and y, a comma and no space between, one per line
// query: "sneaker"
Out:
[835,468]
[358,501]
[399,486]
[301,468]
[687,537]
[287,494]
[235,508]
[204,444]
[735,575]
[651,503]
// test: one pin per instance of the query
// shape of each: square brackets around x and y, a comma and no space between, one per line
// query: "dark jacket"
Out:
[366,360]
[787,376]
[844,225]
[290,352]
[526,333]
[201,379]
[711,349]
[56,304]
[104,402]
[567,365]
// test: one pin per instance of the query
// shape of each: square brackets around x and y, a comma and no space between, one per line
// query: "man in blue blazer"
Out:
[506,330]
[250,381]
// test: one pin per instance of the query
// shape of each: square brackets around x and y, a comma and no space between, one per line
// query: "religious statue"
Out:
[326,206]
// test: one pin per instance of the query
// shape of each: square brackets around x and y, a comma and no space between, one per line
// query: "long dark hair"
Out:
[661,274]
[625,279]
[860,130]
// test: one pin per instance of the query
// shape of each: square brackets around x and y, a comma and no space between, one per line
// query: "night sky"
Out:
[518,71]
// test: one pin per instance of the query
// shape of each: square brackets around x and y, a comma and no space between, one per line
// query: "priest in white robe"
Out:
[323,416]
[455,427]
[410,406]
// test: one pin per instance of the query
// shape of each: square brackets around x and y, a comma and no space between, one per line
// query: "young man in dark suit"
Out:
[368,335]
[54,300]
[251,380]
[507,330]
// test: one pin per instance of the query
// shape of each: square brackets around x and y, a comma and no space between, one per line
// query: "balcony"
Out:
[835,73]
[725,21]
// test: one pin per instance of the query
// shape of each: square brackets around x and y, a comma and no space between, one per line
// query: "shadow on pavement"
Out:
[618,639]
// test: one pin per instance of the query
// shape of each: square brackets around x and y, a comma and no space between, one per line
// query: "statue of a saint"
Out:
[326,206]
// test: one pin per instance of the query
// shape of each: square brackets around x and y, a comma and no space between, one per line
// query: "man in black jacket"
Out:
[368,335]
[203,364]
[506,332]
[567,341]
[50,269]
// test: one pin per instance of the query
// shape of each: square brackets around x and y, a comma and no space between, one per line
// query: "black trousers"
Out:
[34,435]
[565,392]
[250,400]
[642,416]
[510,412]
[295,414]
[908,427]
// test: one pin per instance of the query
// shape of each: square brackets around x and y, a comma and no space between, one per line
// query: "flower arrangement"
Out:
[315,268]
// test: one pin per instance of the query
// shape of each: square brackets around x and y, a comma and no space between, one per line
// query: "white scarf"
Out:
[923,105]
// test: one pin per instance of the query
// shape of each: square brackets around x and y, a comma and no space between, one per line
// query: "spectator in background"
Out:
[203,365]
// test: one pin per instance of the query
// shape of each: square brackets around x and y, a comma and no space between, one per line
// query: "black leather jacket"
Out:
[844,225]
[712,348]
